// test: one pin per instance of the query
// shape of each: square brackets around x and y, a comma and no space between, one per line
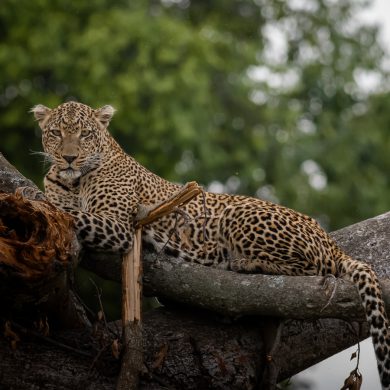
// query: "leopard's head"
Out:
[74,136]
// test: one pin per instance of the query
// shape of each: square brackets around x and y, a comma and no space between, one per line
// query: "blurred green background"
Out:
[284,100]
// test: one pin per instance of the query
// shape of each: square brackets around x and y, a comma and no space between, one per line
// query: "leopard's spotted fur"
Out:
[93,179]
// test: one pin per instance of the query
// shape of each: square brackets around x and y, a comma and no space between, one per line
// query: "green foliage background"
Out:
[203,95]
[184,77]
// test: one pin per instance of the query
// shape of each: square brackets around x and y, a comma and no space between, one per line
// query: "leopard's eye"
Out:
[85,132]
[56,132]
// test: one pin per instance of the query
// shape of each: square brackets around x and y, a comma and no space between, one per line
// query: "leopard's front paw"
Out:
[31,193]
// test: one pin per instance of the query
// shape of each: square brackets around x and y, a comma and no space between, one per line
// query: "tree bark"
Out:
[193,348]
[184,349]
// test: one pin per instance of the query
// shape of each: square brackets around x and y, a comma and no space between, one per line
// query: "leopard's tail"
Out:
[370,293]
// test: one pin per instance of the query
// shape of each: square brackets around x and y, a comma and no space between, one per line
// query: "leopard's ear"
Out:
[40,112]
[105,114]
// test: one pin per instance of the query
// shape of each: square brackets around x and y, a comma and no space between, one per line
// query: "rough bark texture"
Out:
[183,350]
[369,241]
[10,177]
[192,349]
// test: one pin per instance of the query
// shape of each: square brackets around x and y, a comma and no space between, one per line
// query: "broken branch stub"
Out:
[148,214]
[38,252]
[35,238]
[132,360]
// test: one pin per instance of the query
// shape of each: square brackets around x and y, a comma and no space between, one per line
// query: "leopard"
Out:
[101,187]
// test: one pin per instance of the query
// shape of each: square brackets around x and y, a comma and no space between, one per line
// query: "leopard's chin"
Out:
[69,174]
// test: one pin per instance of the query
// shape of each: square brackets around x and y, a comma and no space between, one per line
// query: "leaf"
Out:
[353,356]
[354,381]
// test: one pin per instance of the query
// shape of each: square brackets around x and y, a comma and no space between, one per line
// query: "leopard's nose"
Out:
[69,159]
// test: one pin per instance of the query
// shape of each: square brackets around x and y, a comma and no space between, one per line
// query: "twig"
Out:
[270,375]
[50,340]
[327,282]
[355,378]
[100,301]
[206,216]
[96,358]
[91,313]
[171,233]
[148,214]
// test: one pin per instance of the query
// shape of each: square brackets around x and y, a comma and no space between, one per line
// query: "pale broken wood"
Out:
[132,270]
[132,361]
[149,214]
